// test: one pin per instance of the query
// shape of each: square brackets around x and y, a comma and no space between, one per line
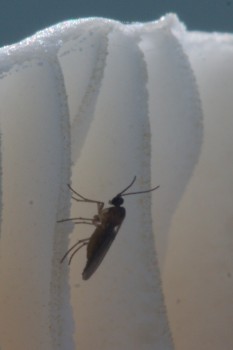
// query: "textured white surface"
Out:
[198,273]
[96,102]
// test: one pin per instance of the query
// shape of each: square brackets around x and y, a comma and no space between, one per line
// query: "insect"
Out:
[107,224]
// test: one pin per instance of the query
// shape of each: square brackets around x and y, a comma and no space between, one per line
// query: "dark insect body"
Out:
[108,222]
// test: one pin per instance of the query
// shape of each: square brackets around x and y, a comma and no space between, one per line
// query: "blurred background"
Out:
[20,19]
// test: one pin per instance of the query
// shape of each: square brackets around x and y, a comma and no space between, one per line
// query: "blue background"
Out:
[19,19]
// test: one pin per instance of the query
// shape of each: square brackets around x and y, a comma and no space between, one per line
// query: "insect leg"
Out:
[83,243]
[73,219]
[87,221]
[76,250]
[84,199]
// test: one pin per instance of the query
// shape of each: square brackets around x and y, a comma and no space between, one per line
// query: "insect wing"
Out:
[95,260]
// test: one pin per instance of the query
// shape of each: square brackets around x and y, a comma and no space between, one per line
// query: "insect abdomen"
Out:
[98,250]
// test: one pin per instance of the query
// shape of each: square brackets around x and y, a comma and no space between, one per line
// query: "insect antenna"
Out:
[138,192]
[131,184]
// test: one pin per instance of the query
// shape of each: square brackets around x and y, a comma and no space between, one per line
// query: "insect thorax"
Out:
[113,215]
